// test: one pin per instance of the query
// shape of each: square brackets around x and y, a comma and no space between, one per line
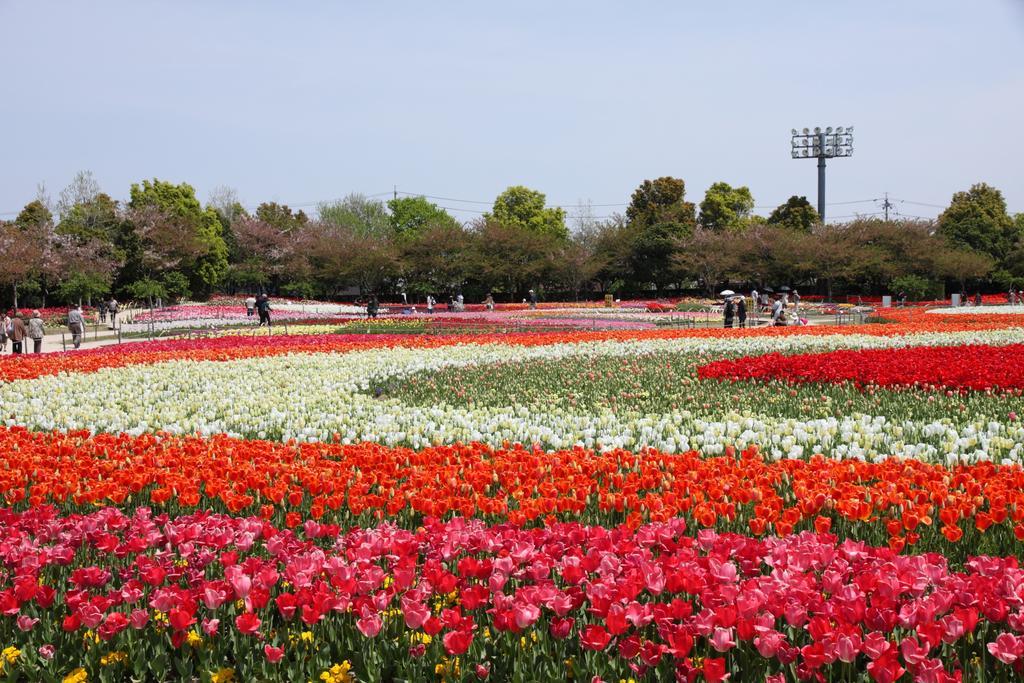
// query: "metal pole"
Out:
[821,176]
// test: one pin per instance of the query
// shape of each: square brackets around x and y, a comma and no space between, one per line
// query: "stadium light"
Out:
[822,145]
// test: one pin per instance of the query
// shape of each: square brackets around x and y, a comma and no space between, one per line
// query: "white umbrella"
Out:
[727,292]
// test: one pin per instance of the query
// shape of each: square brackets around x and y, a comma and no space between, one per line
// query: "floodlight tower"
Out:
[821,145]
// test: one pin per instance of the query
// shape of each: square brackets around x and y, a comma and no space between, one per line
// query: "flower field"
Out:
[813,503]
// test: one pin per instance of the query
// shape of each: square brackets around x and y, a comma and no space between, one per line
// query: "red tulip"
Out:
[247,623]
[594,637]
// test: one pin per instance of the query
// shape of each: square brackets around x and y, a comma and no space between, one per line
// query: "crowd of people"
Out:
[782,312]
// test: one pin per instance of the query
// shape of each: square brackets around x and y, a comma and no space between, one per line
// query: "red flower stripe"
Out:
[893,501]
[975,368]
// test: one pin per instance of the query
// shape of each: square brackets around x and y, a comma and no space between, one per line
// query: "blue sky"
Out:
[300,102]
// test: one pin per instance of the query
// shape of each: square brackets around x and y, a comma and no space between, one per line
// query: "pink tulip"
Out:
[1007,648]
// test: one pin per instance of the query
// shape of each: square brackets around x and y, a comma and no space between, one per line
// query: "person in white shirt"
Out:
[76,324]
[250,306]
[777,310]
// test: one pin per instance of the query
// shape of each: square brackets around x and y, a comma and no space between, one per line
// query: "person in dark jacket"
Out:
[730,311]
[741,310]
[263,308]
[18,332]
[372,307]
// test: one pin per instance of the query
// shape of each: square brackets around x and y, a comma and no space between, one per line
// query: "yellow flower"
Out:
[10,654]
[79,675]
[420,637]
[181,563]
[388,581]
[306,636]
[339,673]
[194,639]
[112,658]
[225,675]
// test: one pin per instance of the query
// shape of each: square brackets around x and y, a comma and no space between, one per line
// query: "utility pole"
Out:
[886,205]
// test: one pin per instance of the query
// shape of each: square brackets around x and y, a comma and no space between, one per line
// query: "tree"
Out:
[660,201]
[280,216]
[82,189]
[521,207]
[725,207]
[95,218]
[35,216]
[435,257]
[977,219]
[358,214]
[176,233]
[344,254]
[410,215]
[22,256]
[796,214]
[961,265]
[710,256]
[263,248]
[511,257]
[661,220]
[224,200]
[612,247]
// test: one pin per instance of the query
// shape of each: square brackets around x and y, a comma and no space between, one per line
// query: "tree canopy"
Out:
[725,207]
[796,214]
[521,207]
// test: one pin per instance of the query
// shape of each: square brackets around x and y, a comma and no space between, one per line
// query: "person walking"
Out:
[730,311]
[430,304]
[112,309]
[372,307]
[250,306]
[777,310]
[263,308]
[76,324]
[36,331]
[489,302]
[533,299]
[796,302]
[18,331]
[977,298]
[741,311]
[101,310]
[5,331]
[754,301]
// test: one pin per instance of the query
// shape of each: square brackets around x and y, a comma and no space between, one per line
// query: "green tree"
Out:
[280,216]
[81,286]
[660,219]
[177,233]
[511,258]
[796,214]
[95,218]
[358,214]
[662,200]
[725,207]
[524,208]
[34,216]
[410,215]
[435,258]
[977,219]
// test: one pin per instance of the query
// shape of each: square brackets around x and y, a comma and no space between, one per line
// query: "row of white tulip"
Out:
[318,397]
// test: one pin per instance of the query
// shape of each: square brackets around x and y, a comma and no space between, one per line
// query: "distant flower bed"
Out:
[976,368]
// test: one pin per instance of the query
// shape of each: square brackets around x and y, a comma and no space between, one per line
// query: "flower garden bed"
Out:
[587,506]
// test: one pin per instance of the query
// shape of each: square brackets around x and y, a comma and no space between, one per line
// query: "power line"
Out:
[491,203]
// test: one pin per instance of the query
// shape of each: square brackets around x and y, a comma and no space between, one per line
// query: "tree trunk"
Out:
[15,296]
